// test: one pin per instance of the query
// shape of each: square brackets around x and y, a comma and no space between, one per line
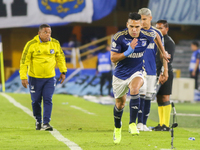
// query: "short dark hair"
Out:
[134,16]
[195,43]
[44,26]
[164,22]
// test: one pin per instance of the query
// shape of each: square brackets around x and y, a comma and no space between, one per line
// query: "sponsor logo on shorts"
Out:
[32,87]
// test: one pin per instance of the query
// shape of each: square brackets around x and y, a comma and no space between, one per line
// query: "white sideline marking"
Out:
[83,110]
[192,115]
[55,133]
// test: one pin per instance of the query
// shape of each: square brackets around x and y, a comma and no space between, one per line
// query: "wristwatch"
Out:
[64,73]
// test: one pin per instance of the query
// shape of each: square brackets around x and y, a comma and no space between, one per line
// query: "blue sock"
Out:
[141,109]
[117,116]
[134,106]
[147,105]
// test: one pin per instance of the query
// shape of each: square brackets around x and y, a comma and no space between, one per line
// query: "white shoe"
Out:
[140,126]
[145,128]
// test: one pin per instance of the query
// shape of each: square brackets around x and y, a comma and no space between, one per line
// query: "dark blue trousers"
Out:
[42,88]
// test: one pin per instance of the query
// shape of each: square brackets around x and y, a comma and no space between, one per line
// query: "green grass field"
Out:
[91,132]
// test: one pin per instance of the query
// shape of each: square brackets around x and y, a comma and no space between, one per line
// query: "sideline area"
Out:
[55,133]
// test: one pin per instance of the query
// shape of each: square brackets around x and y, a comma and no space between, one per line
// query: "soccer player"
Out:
[39,58]
[163,95]
[194,62]
[127,51]
[150,68]
[104,68]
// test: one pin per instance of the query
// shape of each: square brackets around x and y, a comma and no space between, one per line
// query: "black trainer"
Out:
[165,128]
[157,128]
[38,125]
[47,127]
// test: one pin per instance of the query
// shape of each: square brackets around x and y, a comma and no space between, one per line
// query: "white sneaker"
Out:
[145,128]
[140,126]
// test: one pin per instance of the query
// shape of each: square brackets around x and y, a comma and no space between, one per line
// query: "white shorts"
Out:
[150,85]
[120,87]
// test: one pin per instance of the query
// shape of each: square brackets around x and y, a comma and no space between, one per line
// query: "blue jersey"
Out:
[104,62]
[194,57]
[134,62]
[150,54]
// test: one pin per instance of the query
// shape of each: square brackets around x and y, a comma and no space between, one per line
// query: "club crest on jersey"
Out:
[52,51]
[61,8]
[144,43]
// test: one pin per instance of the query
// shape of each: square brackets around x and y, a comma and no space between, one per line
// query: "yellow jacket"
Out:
[39,59]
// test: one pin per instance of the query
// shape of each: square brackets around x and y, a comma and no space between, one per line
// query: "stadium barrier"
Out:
[78,82]
[183,89]
[79,56]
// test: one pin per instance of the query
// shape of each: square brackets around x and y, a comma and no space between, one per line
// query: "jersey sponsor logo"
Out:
[52,51]
[136,55]
[61,8]
[128,39]
[144,43]
[143,39]
[114,44]
[114,49]
[32,87]
[151,46]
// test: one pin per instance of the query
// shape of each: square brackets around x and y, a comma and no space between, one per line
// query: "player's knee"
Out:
[162,98]
[120,105]
[165,98]
[134,91]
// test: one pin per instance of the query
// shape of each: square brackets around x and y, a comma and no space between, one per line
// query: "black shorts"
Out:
[166,88]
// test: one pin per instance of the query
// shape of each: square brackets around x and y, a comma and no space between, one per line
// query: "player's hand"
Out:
[134,43]
[25,83]
[166,75]
[166,56]
[162,78]
[193,73]
[62,78]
